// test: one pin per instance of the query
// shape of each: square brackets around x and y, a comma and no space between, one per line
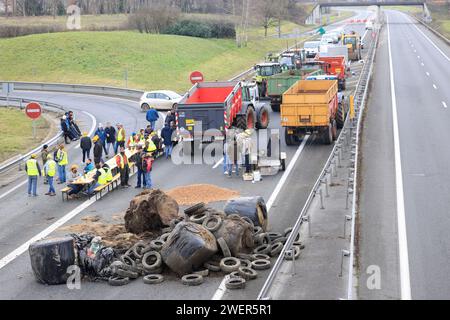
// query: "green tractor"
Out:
[263,72]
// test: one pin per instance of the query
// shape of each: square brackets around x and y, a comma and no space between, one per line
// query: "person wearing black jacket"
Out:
[86,145]
[98,149]
[65,130]
[137,158]
[110,136]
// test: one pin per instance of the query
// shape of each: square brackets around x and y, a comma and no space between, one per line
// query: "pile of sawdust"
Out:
[113,235]
[189,195]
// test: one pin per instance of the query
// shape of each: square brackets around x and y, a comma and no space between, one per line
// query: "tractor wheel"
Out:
[250,118]
[241,122]
[263,118]
[340,115]
[275,107]
[327,135]
[334,130]
[291,139]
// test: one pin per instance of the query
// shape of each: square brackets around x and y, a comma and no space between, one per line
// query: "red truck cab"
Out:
[336,67]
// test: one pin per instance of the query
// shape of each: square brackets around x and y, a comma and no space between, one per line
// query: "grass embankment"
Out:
[152,61]
[17,132]
[439,13]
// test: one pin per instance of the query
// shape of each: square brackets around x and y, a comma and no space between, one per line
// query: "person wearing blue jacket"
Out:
[152,117]
[166,134]
[101,133]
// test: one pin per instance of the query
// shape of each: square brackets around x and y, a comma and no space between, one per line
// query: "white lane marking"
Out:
[94,125]
[218,163]
[365,34]
[434,86]
[218,295]
[444,104]
[426,37]
[24,247]
[401,219]
[428,74]
[13,189]
[422,64]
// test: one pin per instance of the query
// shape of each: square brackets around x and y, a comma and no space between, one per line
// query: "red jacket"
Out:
[121,164]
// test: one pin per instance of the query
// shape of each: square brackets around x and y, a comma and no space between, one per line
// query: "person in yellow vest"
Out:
[120,137]
[33,171]
[62,161]
[109,176]
[50,172]
[131,144]
[150,146]
[124,168]
[100,179]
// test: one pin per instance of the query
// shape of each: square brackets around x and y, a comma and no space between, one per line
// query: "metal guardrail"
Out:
[437,33]
[359,111]
[20,103]
[288,247]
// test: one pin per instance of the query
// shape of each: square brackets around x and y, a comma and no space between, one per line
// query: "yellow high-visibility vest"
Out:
[131,142]
[51,168]
[121,135]
[151,146]
[109,176]
[102,180]
[62,155]
[122,161]
[32,169]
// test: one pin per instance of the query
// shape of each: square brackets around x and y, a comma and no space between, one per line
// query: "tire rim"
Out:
[264,117]
[250,123]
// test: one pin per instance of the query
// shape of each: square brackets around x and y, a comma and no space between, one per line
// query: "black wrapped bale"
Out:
[188,247]
[50,259]
[237,233]
[251,207]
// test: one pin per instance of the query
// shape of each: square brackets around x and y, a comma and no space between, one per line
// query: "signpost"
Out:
[196,77]
[33,110]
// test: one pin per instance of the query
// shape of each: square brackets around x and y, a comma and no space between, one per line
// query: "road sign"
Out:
[321,30]
[33,110]
[196,77]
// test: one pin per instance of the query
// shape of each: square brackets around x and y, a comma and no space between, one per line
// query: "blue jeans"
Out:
[153,124]
[168,150]
[225,163]
[141,178]
[51,188]
[92,188]
[62,173]
[32,185]
[148,180]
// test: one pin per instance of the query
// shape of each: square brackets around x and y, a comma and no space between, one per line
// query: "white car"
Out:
[369,25]
[311,48]
[329,39]
[161,100]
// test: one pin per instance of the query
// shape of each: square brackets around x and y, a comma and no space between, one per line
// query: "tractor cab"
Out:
[263,72]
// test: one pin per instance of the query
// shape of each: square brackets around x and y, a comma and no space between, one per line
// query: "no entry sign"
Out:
[33,110]
[196,77]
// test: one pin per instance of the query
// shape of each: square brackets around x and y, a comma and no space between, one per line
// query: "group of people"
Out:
[70,128]
[237,151]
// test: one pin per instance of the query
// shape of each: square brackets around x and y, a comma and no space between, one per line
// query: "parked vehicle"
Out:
[334,51]
[336,67]
[263,72]
[369,25]
[220,106]
[161,100]
[353,43]
[329,38]
[278,84]
[311,48]
[310,107]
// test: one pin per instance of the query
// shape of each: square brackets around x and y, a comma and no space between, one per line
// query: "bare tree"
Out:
[267,10]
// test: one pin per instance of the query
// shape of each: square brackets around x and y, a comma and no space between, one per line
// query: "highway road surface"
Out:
[404,211]
[24,219]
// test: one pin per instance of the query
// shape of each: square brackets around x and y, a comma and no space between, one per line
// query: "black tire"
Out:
[262,238]
[164,236]
[247,273]
[199,218]
[295,250]
[250,118]
[192,280]
[282,240]
[262,249]
[145,107]
[203,273]
[283,164]
[118,281]
[230,264]
[275,107]
[191,210]
[224,247]
[274,235]
[276,248]
[291,139]
[340,115]
[234,283]
[129,263]
[327,135]
[212,266]
[257,230]
[148,264]
[126,273]
[156,245]
[261,264]
[138,249]
[244,256]
[212,223]
[259,256]
[245,263]
[153,279]
[263,118]
[334,130]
